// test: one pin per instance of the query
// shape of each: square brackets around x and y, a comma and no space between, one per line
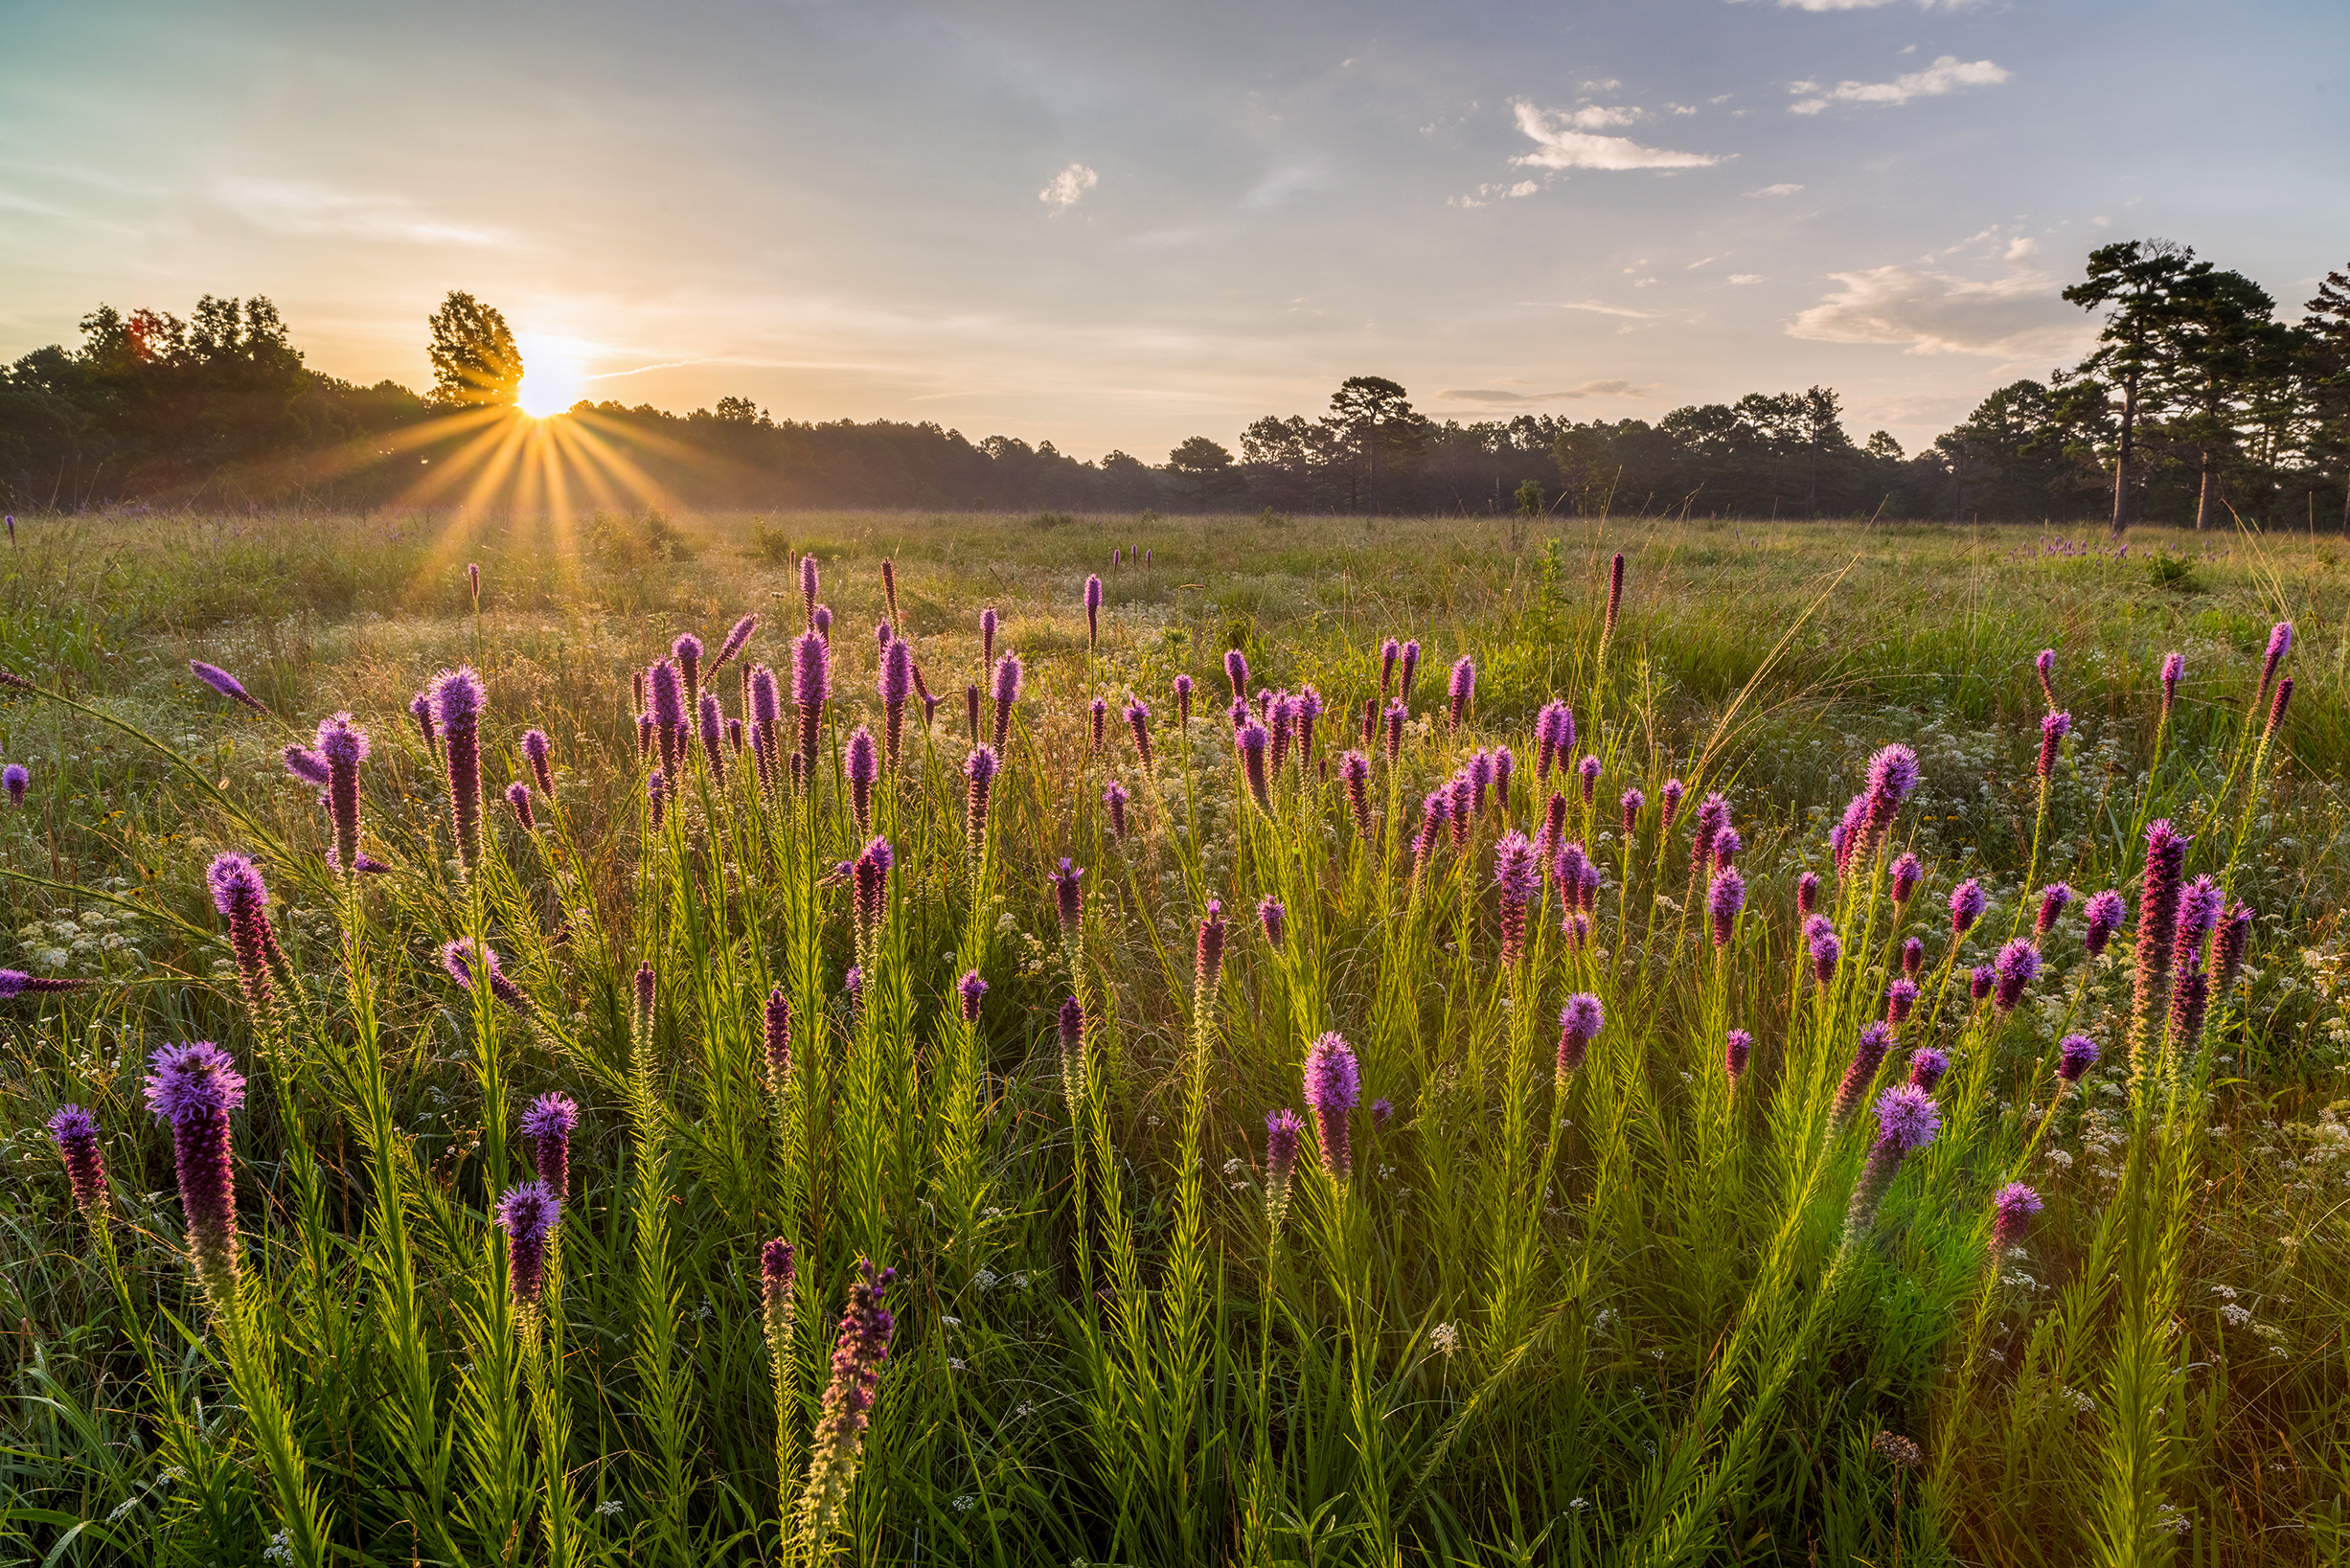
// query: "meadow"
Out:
[1293,1133]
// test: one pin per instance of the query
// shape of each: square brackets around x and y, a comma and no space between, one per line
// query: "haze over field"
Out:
[1118,231]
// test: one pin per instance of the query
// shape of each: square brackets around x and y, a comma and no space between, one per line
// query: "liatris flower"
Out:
[1480,772]
[808,585]
[194,1087]
[2280,643]
[1114,795]
[1868,1054]
[238,894]
[2276,710]
[1411,667]
[1906,1121]
[863,767]
[2167,856]
[231,688]
[811,685]
[538,751]
[1251,740]
[1354,773]
[1723,900]
[1459,808]
[853,982]
[775,1038]
[1072,1053]
[1900,996]
[713,737]
[1927,1065]
[2043,665]
[858,1353]
[1826,949]
[1309,709]
[2190,999]
[1807,894]
[669,711]
[1433,810]
[1517,873]
[737,639]
[519,802]
[2017,966]
[1382,1112]
[2227,951]
[643,737]
[1631,803]
[889,590]
[1183,702]
[1914,956]
[474,578]
[970,712]
[1668,802]
[76,1133]
[1713,816]
[1007,692]
[457,958]
[1727,845]
[2173,670]
[16,682]
[1093,612]
[1981,980]
[2104,915]
[2053,728]
[1281,1129]
[300,761]
[16,780]
[548,1123]
[987,624]
[1388,652]
[1892,774]
[16,983]
[1591,779]
[2052,902]
[1908,872]
[1591,884]
[1273,918]
[1739,1046]
[1236,671]
[2012,1208]
[687,650]
[1580,1022]
[871,878]
[645,988]
[1098,712]
[1395,730]
[1844,838]
[1463,686]
[1138,720]
[636,690]
[1615,596]
[776,1276]
[528,1215]
[1208,955]
[979,771]
[458,698]
[1068,896]
[2075,1055]
[656,796]
[1333,1084]
[1968,901]
[1554,737]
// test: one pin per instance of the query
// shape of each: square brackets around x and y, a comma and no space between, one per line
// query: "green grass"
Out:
[1604,1316]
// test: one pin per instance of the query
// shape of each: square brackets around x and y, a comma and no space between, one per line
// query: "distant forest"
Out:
[2196,405]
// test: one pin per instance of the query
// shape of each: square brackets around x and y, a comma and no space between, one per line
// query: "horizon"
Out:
[1117,233]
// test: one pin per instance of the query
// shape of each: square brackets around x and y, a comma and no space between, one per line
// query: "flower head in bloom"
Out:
[2075,1055]
[1272,918]
[1907,1116]
[1727,845]
[1517,874]
[1580,1022]
[1737,1048]
[1116,796]
[1006,691]
[1462,688]
[1251,739]
[1333,1085]
[1590,770]
[1072,1022]
[2052,902]
[2276,710]
[968,992]
[1826,949]
[1868,1054]
[74,1132]
[239,893]
[1281,1131]
[1927,1065]
[1630,804]
[1908,872]
[1670,799]
[1968,901]
[2280,643]
[1068,898]
[2053,728]
[1411,666]
[1981,980]
[519,802]
[548,1123]
[458,698]
[2012,1208]
[735,639]
[2043,665]
[300,761]
[775,1037]
[2017,966]
[1900,997]
[776,1276]
[1093,611]
[2174,671]
[1354,774]
[457,957]
[528,1215]
[194,1087]
[2104,915]
[539,751]
[224,683]
[1236,671]
[1914,956]
[1723,899]
[16,780]
[1807,894]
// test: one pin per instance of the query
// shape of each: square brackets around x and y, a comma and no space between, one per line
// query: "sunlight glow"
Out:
[551,375]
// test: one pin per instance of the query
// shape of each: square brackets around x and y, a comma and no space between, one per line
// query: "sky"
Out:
[1114,225]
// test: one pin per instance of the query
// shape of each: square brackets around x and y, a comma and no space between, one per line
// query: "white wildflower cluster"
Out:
[1444,1338]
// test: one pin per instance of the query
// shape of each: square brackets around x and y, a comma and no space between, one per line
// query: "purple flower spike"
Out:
[1007,691]
[737,639]
[1395,716]
[979,770]
[1388,652]
[2017,966]
[1981,980]
[2167,856]
[1068,896]
[548,1123]
[811,687]
[457,958]
[687,650]
[1591,779]
[1116,796]
[1434,807]
[1631,803]
[300,761]
[231,688]
[1097,713]
[2076,1055]
[1723,900]
[1072,1023]
[2043,665]
[519,802]
[1093,612]
[870,877]
[16,780]
[988,623]
[1807,894]
[863,767]
[1826,949]
[239,893]
[859,1352]
[76,1134]
[1900,997]
[1968,901]
[16,983]
[1615,596]
[777,1275]
[1580,1022]
[2228,950]
[1736,1049]
[539,751]
[1727,845]
[968,990]
[1333,1084]
[1354,774]
[775,1038]
[2280,643]
[1927,1065]
[528,1215]
[1669,800]
[809,586]
[1913,956]
[2053,728]
[2104,915]
[2174,671]
[2276,710]
[713,727]
[195,1087]
[1382,1112]
[1183,702]
[1138,723]
[1517,874]
[1273,919]
[1908,872]
[2012,1208]
[458,698]
[1208,956]
[1236,671]
[1411,667]
[1251,741]
[1906,1121]
[1281,1131]
[1868,1054]
[2052,902]
[656,796]
[1462,688]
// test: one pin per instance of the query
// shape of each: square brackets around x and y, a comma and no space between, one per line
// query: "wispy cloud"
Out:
[1487,395]
[1068,187]
[294,207]
[1928,312]
[1485,195]
[1283,185]
[1776,191]
[1947,75]
[1559,144]
[1597,309]
[1743,277]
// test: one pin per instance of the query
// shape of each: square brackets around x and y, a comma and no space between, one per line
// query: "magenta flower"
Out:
[2173,670]
[1138,722]
[777,1275]
[2017,966]
[1068,896]
[1463,688]
[870,878]
[1738,1047]
[687,650]
[1908,872]
[194,1087]
[1396,716]
[1333,1084]
[458,698]
[1580,1022]
[74,1132]
[1208,955]
[736,638]
[2043,665]
[775,1038]
[1309,709]
[1713,816]
[1273,919]
[1927,1065]
[231,688]
[1434,807]
[2012,1207]
[811,687]
[1236,671]
[1072,1023]
[1906,1121]
[2052,902]
[1968,901]
[656,796]
[1868,1054]
[1727,845]
[1591,779]
[670,708]
[1723,899]
[863,767]
[457,958]
[859,1352]
[1517,873]
[1251,740]
[1630,804]
[713,727]
[1981,980]
[988,623]
[1826,949]
[1281,1131]
[1093,612]
[1669,802]
[538,751]
[2228,950]
[979,770]
[238,894]
[1114,796]
[1460,808]
[1354,773]
[1183,702]
[1007,691]
[2280,643]
[300,761]
[548,1123]
[519,802]
[2104,915]
[2076,1055]
[1913,956]
[2167,856]
[968,991]
[1615,596]
[1388,652]
[1900,997]
[16,983]
[1807,896]
[2276,710]
[2053,728]
[528,1215]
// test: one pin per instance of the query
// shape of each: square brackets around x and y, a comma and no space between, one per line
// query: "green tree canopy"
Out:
[474,361]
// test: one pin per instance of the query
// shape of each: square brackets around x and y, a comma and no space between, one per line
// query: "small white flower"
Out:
[281,1548]
[955,1363]
[986,1279]
[962,1504]
[1444,1338]
[950,1322]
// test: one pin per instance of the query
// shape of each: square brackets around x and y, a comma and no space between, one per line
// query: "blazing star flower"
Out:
[1807,896]
[2280,643]
[458,698]
[229,687]
[1333,1084]
[1411,666]
[2013,1207]
[1459,808]
[1138,721]
[1354,773]
[74,1132]
[713,737]
[871,878]
[1723,899]
[2043,665]
[1631,803]
[2052,902]
[1251,740]
[777,1276]
[1183,702]
[1727,845]
[1913,956]
[1395,730]
[1093,612]
[1068,896]
[863,767]
[1669,802]
[1208,955]
[1388,652]
[1908,872]
[669,709]
[519,802]
[775,1038]
[300,761]
[2017,966]
[1826,949]
[538,751]
[240,894]
[1007,683]
[16,983]
[2228,950]
[1434,806]
[457,958]
[1517,873]
[1968,901]
[1236,671]
[2076,1055]
[1736,1049]
[1615,597]
[859,1352]
[656,796]
[1114,796]
[2104,913]
[1072,1053]
[194,1087]
[1981,980]
[1713,816]
[2190,999]
[2276,710]
[979,770]
[1463,688]
[1927,1065]
[811,685]
[687,650]
[1308,711]
[1867,1056]
[1906,1121]
[1591,779]
[548,1123]
[2173,670]
[1273,918]
[1900,996]
[2166,855]
[737,639]
[987,624]
[2053,728]
[853,982]
[1281,1131]
[1580,1022]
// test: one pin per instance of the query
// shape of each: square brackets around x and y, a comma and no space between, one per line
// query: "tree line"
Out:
[2196,404]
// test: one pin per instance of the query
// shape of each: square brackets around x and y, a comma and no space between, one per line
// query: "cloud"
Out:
[1589,389]
[1283,185]
[2018,316]
[299,208]
[1776,191]
[1600,116]
[1597,309]
[1560,146]
[1742,277]
[1946,74]
[1485,195]
[1068,187]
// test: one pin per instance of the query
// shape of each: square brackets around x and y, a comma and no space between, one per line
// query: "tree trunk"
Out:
[2202,495]
[2121,459]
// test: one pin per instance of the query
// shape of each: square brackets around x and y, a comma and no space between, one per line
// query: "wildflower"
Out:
[548,1123]
[1093,612]
[1250,741]
[1900,1450]
[1138,721]
[1554,732]
[2276,710]
[1727,845]
[16,983]
[1459,807]
[1631,803]
[1826,949]
[1395,715]
[1968,901]
[1713,816]
[858,1353]
[457,958]
[194,1087]
[2017,966]
[1908,872]
[1272,918]
[1072,1053]
[519,802]
[1355,772]
[1309,711]
[669,712]
[1434,807]
[528,1215]
[1981,980]
[1183,702]
[1236,671]
[1807,894]
[1388,652]
[1906,1121]
[2043,665]
[2104,915]
[1332,1083]
[979,771]
[1007,691]
[1462,688]
[1868,1054]
[2052,902]
[300,761]
[713,727]
[775,1038]
[776,1276]
[1281,1129]
[458,698]
[1723,899]
[1411,666]
[1068,896]
[968,990]
[1591,779]
[2075,1055]
[1114,796]
[76,1134]
[871,878]
[2012,1208]
[229,687]
[2227,951]
[1580,1022]
[1517,874]
[736,638]
[1737,1048]
[1382,1112]
[862,767]
[2174,668]
[1669,800]
[1900,996]
[1927,1065]
[2280,643]
[538,751]
[2053,728]
[238,894]
[1913,956]
[656,796]
[2166,855]
[687,650]
[987,624]
[812,685]
[853,982]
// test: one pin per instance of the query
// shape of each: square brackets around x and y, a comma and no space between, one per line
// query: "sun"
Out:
[547,390]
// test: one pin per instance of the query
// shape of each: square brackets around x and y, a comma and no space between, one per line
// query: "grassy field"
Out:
[1607,1304]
